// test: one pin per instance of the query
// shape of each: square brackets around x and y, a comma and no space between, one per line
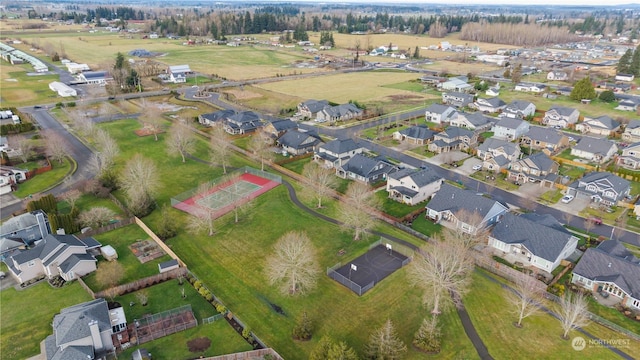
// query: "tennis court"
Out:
[225,196]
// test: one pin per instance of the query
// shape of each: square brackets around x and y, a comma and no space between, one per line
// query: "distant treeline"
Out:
[516,34]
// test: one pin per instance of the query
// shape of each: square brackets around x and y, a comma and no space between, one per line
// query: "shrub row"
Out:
[7,129]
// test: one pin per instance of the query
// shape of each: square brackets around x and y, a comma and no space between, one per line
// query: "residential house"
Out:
[242,123]
[600,187]
[63,255]
[94,77]
[365,169]
[9,176]
[603,125]
[4,144]
[432,79]
[497,154]
[538,167]
[541,138]
[564,90]
[531,243]
[458,84]
[297,143]
[557,75]
[519,109]
[417,135]
[561,117]
[625,77]
[457,99]
[342,112]
[528,87]
[510,128]
[440,114]
[278,127]
[594,149]
[632,131]
[310,108]
[473,121]
[334,153]
[178,73]
[453,138]
[23,230]
[491,105]
[628,105]
[463,209]
[413,186]
[84,331]
[630,157]
[613,269]
[493,91]
[211,119]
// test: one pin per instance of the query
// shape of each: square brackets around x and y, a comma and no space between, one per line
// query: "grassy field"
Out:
[393,207]
[26,316]
[19,89]
[46,180]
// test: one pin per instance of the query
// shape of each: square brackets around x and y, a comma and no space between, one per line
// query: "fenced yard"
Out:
[161,324]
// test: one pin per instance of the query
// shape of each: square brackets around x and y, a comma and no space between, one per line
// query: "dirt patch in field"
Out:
[244,94]
[146,131]
[404,97]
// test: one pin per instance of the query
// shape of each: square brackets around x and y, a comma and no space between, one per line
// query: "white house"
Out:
[412,186]
[178,73]
[557,75]
[561,116]
[510,128]
[594,149]
[439,114]
[491,105]
[334,153]
[519,109]
[625,77]
[62,89]
[600,187]
[602,125]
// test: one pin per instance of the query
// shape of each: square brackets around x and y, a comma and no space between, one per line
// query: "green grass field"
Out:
[20,89]
[26,316]
[46,180]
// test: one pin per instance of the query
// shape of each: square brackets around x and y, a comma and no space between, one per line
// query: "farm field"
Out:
[19,89]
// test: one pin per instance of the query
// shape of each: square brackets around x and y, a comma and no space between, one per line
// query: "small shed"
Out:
[109,253]
[168,265]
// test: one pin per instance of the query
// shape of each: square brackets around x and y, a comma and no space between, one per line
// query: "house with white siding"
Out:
[413,186]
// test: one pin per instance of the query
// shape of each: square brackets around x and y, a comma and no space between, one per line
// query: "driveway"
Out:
[574,207]
[7,282]
[447,157]
[532,190]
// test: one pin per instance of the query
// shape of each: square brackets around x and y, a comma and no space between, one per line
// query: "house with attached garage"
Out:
[453,138]
[335,152]
[310,108]
[217,117]
[365,169]
[476,121]
[538,167]
[440,114]
[497,154]
[540,138]
[603,125]
[23,230]
[413,186]
[612,269]
[632,131]
[628,105]
[342,112]
[561,117]
[178,73]
[278,127]
[600,187]
[417,135]
[510,129]
[458,84]
[523,240]
[630,157]
[463,209]
[594,149]
[491,105]
[297,142]
[528,87]
[242,123]
[518,109]
[557,75]
[457,99]
[9,176]
[63,255]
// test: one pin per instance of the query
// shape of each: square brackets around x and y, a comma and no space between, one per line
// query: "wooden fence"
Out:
[31,173]
[159,241]
[142,283]
[573,163]
[103,229]
[248,355]
[502,270]
[87,288]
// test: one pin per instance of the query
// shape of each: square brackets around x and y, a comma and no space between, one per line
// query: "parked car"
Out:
[477,167]
[595,220]
[567,199]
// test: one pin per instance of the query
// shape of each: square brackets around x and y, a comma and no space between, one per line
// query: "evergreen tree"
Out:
[516,74]
[427,338]
[416,53]
[214,31]
[635,62]
[624,64]
[583,90]
[607,96]
[119,61]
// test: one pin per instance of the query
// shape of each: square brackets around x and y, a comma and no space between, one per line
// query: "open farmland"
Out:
[20,89]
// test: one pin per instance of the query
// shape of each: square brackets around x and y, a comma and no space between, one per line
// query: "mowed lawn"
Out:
[26,316]
[19,89]
[353,86]
[540,336]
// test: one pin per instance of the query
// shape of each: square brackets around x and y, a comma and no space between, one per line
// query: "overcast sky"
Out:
[494,2]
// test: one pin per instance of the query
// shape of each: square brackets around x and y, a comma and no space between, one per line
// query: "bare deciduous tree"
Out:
[71,197]
[573,312]
[109,273]
[143,297]
[526,299]
[180,140]
[96,217]
[201,220]
[441,270]
[355,210]
[108,150]
[428,336]
[220,146]
[139,180]
[22,145]
[294,264]
[151,116]
[384,343]
[322,179]
[56,145]
[260,144]
[588,226]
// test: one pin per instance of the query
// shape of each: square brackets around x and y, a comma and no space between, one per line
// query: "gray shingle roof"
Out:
[495,101]
[547,220]
[454,132]
[73,322]
[19,222]
[509,123]
[599,265]
[284,124]
[542,241]
[366,166]
[494,143]
[548,135]
[477,118]
[418,132]
[420,177]
[454,199]
[603,181]
[73,260]
[563,110]
[340,146]
[633,124]
[594,145]
[315,105]
[606,121]
[438,108]
[518,105]
[541,161]
[295,139]
[168,264]
[218,115]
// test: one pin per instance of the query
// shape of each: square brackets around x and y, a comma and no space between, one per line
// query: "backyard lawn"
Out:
[46,180]
[394,208]
[26,316]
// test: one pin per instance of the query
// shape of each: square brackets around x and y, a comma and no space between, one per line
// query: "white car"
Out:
[477,167]
[567,199]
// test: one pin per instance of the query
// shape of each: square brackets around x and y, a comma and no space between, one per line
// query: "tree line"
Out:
[516,34]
